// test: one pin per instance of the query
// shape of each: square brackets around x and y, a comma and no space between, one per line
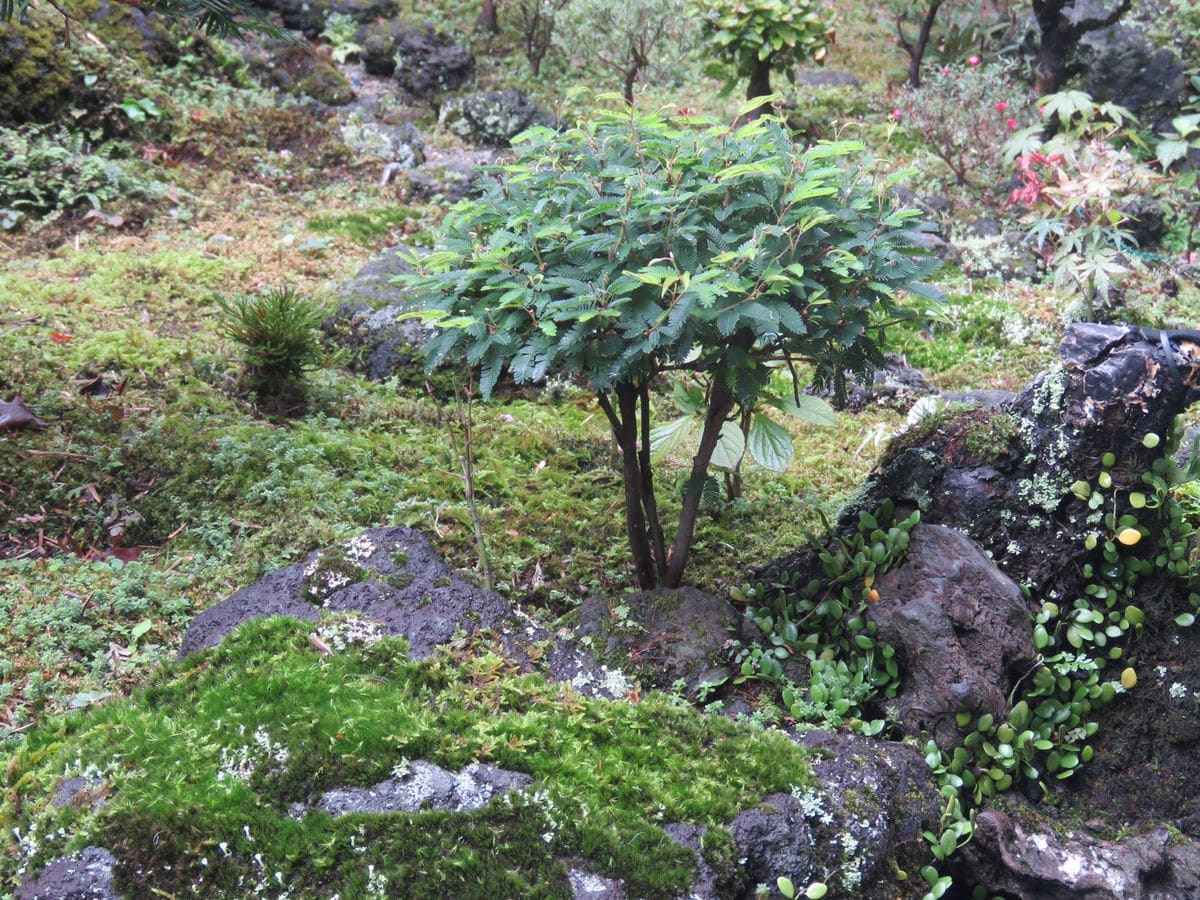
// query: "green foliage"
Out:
[614,250]
[47,171]
[278,331]
[220,18]
[340,31]
[777,34]
[964,114]
[216,747]
[825,622]
[636,244]
[630,40]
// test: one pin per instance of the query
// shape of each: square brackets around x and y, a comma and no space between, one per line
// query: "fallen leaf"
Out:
[59,337]
[15,414]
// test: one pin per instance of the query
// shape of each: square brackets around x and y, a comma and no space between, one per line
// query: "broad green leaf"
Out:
[813,410]
[670,435]
[731,447]
[770,444]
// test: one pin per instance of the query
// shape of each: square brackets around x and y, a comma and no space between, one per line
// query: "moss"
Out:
[35,71]
[606,775]
[964,435]
[367,227]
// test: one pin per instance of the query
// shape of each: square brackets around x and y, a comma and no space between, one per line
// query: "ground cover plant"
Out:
[159,182]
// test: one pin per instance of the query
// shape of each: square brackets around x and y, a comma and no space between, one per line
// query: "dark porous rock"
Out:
[87,875]
[429,63]
[301,71]
[378,42]
[961,628]
[395,582]
[679,634]
[868,809]
[383,342]
[276,594]
[309,16]
[983,399]
[453,175]
[859,822]
[1124,67]
[894,385]
[423,787]
[492,119]
[374,323]
[81,790]
[1014,857]
[775,840]
[1113,386]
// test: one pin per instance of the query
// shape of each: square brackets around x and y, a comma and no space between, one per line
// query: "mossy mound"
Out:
[193,779]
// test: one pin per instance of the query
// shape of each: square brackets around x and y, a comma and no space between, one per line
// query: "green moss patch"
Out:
[966,435]
[198,770]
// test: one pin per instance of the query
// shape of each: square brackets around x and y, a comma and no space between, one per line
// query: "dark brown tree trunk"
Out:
[1060,34]
[720,405]
[487,20]
[916,52]
[1050,64]
[649,501]
[760,86]
[625,431]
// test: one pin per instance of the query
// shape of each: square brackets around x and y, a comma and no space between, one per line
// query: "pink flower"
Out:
[973,61]
[945,70]
[894,114]
[1001,106]
[505,417]
[1011,123]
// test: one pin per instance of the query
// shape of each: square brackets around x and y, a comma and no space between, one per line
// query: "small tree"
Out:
[1062,24]
[637,245]
[534,21]
[915,45]
[626,38]
[756,36]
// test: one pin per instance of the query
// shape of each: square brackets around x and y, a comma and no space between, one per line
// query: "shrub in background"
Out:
[629,40]
[636,245]
[278,332]
[755,36]
[965,114]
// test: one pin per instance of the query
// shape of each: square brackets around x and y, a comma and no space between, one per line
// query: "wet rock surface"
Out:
[961,628]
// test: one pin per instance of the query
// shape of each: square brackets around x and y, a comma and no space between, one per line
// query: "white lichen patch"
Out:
[360,548]
[239,764]
[350,631]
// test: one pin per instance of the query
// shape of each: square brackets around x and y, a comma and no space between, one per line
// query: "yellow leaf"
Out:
[1129,536]
[1129,679]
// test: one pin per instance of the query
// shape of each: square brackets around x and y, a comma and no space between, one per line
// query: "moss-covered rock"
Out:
[201,769]
[492,119]
[301,72]
[34,72]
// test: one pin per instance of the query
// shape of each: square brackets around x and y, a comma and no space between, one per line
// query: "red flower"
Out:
[1011,123]
[973,61]
[1001,106]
